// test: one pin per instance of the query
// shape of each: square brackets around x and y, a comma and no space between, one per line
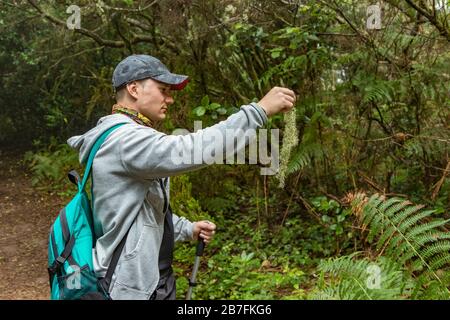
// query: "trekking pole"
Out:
[198,254]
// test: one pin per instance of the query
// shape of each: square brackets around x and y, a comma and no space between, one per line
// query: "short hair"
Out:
[122,90]
[120,93]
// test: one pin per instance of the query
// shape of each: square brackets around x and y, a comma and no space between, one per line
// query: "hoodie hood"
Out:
[84,143]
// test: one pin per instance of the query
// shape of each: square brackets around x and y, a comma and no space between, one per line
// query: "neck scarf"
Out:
[133,114]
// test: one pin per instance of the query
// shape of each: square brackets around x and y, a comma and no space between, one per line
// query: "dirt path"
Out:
[25,219]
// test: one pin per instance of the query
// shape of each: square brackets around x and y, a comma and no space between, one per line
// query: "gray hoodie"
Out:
[127,193]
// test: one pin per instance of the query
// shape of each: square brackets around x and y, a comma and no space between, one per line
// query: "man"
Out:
[130,176]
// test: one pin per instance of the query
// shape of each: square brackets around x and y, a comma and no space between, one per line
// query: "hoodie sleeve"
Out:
[149,154]
[182,227]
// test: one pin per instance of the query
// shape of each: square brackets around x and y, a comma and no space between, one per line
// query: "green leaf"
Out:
[222,111]
[275,53]
[313,37]
[339,230]
[295,30]
[214,106]
[199,111]
[238,26]
[205,101]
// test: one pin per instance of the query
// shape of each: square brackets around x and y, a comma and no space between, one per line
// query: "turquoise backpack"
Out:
[71,241]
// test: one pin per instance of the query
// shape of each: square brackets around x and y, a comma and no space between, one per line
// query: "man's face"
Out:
[153,99]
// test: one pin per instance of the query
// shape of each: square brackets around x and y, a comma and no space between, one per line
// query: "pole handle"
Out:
[200,247]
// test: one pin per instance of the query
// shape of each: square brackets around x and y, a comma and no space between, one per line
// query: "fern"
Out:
[405,222]
[350,278]
[413,147]
[377,92]
[51,166]
[406,233]
[373,89]
[303,155]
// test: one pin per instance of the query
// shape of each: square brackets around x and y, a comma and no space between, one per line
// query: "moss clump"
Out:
[290,141]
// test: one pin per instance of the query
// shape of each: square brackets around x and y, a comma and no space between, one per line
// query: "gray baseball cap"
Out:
[142,66]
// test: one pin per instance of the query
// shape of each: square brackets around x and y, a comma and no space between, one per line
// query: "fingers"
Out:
[288,97]
[208,225]
[287,104]
[287,92]
[278,99]
[206,237]
[207,230]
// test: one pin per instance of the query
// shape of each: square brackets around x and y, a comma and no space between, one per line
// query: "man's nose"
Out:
[169,100]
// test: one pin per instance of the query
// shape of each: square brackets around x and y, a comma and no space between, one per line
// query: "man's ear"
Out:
[132,89]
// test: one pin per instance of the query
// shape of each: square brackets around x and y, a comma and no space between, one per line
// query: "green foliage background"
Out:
[372,115]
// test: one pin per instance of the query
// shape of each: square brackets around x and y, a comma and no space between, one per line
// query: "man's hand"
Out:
[278,99]
[204,229]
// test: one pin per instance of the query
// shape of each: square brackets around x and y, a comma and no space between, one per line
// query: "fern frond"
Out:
[405,254]
[369,211]
[397,225]
[392,206]
[378,91]
[436,248]
[421,229]
[431,237]
[303,155]
[404,226]
[389,208]
[440,261]
[411,216]
[351,278]
[413,147]
[300,160]
[325,294]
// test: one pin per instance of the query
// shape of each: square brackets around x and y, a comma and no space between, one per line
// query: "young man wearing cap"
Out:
[131,175]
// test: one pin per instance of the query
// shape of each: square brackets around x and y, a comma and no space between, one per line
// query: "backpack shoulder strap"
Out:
[93,152]
[105,282]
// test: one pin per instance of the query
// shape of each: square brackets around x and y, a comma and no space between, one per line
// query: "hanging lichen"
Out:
[290,141]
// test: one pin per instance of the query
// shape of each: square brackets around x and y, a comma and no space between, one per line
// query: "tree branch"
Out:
[431,18]
[129,10]
[136,38]
[93,35]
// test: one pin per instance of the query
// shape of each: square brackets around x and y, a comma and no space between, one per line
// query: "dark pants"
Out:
[166,289]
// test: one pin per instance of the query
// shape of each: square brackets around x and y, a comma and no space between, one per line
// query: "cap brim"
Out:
[176,81]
